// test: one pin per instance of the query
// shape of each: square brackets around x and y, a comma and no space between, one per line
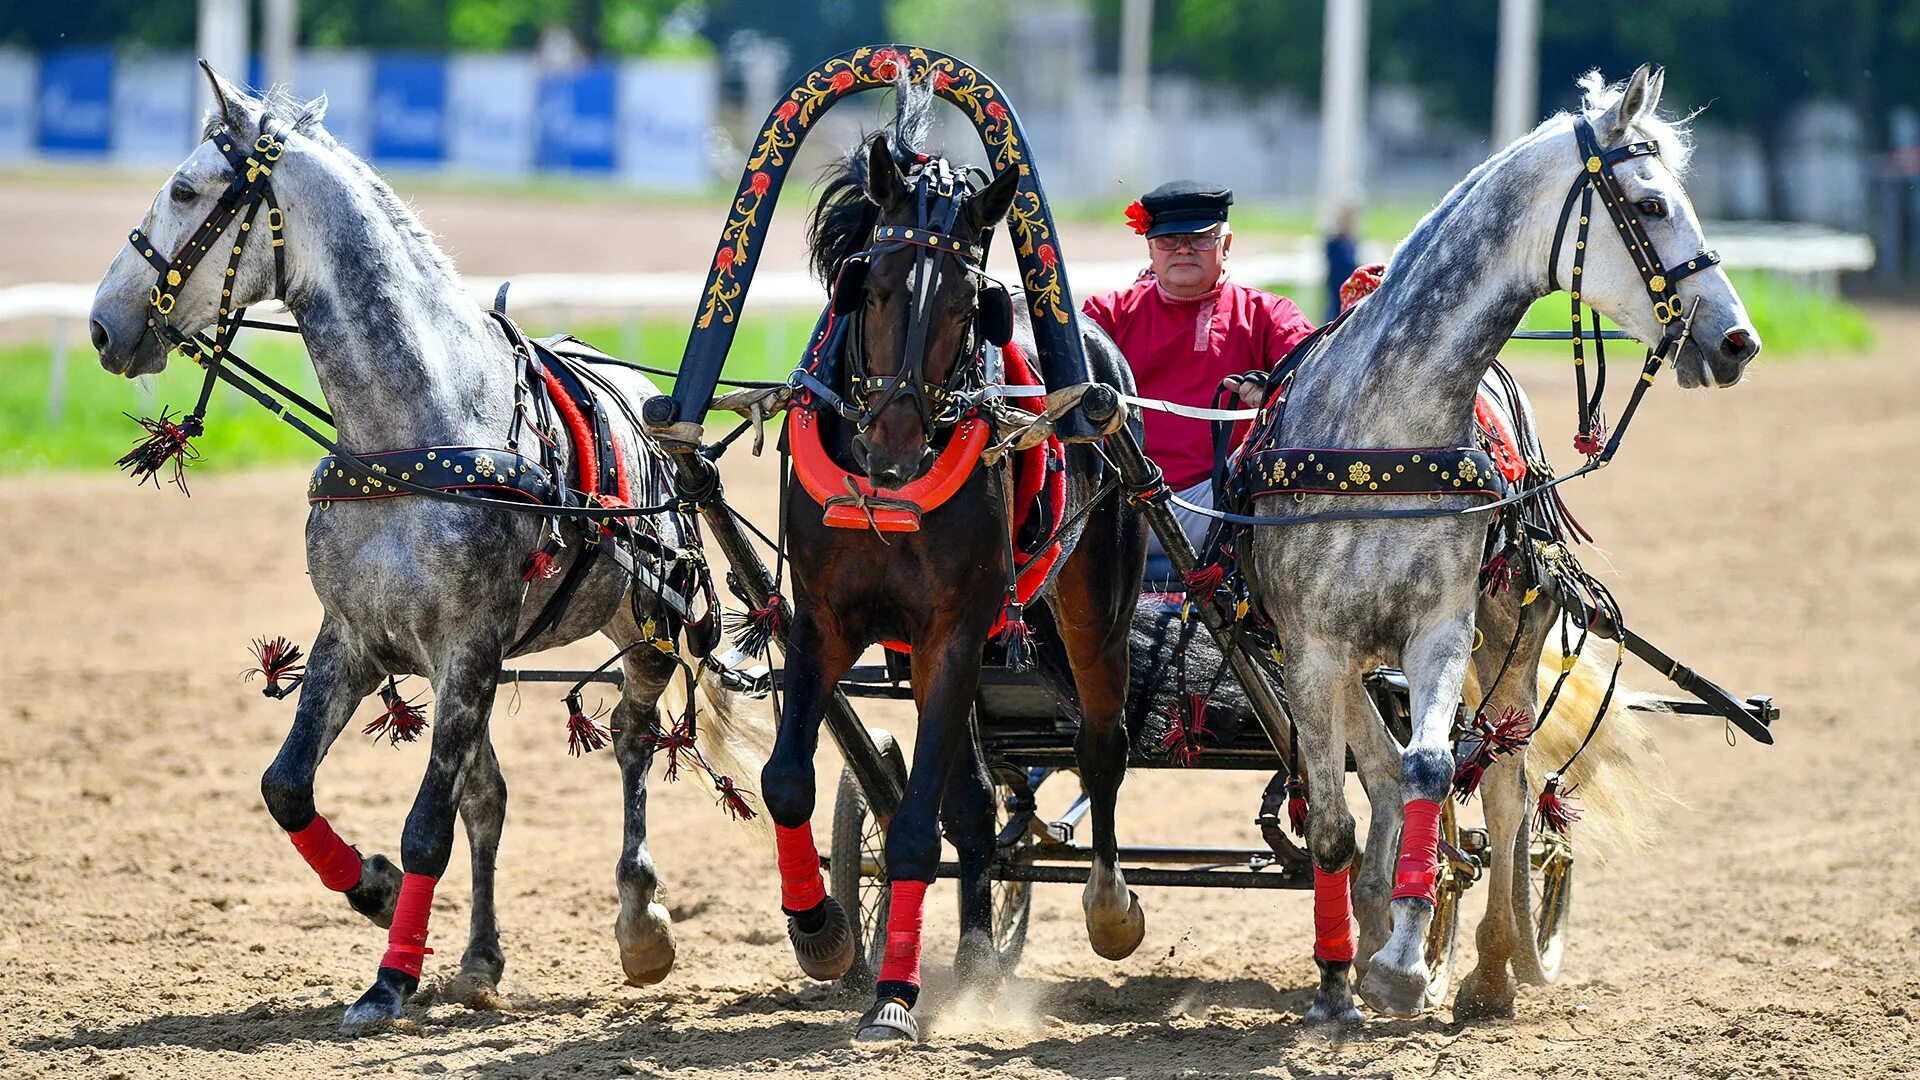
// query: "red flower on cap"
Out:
[1138,217]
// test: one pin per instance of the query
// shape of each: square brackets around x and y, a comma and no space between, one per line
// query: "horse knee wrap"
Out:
[1418,871]
[407,948]
[900,970]
[801,886]
[337,863]
[1333,915]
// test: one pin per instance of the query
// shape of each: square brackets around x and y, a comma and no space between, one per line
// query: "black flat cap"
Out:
[1186,206]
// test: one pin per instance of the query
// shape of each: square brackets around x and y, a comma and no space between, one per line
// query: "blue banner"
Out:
[76,101]
[576,118]
[409,109]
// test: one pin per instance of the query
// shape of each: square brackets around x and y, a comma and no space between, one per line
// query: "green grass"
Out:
[91,430]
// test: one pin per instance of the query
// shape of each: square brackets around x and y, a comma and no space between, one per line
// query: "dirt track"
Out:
[156,923]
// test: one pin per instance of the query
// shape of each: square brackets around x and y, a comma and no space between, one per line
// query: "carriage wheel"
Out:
[1542,904]
[1012,900]
[1443,934]
[858,875]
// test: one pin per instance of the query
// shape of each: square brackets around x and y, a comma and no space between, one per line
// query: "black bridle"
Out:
[1662,282]
[939,195]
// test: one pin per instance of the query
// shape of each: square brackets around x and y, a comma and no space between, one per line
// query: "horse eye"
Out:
[1652,208]
[183,193]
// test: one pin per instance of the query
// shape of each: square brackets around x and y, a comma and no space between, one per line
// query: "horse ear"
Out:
[986,209]
[1635,101]
[226,97]
[885,186]
[311,114]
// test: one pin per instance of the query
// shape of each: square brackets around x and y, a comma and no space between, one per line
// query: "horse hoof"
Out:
[379,1009]
[976,963]
[1394,991]
[475,990]
[1474,1002]
[377,891]
[826,953]
[1340,1016]
[888,1022]
[646,944]
[1115,939]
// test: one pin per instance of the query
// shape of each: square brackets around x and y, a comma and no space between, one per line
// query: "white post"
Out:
[223,42]
[1343,108]
[1516,84]
[1136,69]
[279,36]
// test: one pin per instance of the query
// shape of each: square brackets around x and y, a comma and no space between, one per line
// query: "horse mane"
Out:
[840,222]
[1673,137]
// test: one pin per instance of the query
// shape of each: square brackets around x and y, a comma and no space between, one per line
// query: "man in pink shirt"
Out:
[1184,327]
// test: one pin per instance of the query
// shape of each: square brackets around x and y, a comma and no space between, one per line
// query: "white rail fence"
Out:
[1811,254]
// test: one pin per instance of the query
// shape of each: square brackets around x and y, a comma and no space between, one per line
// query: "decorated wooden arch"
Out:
[1036,245]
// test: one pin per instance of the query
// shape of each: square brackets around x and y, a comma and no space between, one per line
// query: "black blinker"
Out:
[849,286]
[996,315]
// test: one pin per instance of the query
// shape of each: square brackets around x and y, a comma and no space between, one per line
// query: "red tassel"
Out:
[276,660]
[755,630]
[1297,804]
[1555,811]
[540,567]
[1203,581]
[1016,637]
[402,722]
[675,741]
[1591,442]
[1497,575]
[166,442]
[733,799]
[584,734]
[1185,726]
[1485,742]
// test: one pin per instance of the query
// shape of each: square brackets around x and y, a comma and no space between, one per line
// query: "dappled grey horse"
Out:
[1402,372]
[412,585]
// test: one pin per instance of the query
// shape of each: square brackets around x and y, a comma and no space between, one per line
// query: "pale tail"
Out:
[1619,774]
[734,733]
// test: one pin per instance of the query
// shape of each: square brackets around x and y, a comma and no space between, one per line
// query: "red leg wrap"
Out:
[337,863]
[902,963]
[801,886]
[407,938]
[1419,865]
[1332,915]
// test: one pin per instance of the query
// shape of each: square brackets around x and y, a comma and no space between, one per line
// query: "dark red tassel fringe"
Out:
[402,722]
[1593,441]
[166,442]
[1485,742]
[1204,581]
[1185,726]
[755,631]
[541,566]
[733,799]
[1497,574]
[584,733]
[1297,804]
[675,741]
[1016,637]
[1555,811]
[276,660]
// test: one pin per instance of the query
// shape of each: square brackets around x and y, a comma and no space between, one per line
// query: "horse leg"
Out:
[644,929]
[337,679]
[1320,686]
[463,692]
[483,809]
[1377,757]
[966,816]
[1093,604]
[817,656]
[1436,659]
[947,665]
[1488,991]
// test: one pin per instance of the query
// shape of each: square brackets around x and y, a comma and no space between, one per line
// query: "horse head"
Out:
[1654,276]
[919,294]
[203,219]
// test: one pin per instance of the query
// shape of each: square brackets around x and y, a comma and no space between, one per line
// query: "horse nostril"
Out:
[1740,344]
[101,339]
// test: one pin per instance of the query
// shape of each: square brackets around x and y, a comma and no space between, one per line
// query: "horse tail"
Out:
[734,733]
[1620,772]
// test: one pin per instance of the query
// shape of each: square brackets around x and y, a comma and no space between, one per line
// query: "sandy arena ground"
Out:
[155,923]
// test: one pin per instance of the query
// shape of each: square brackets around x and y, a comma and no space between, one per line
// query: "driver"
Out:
[1184,327]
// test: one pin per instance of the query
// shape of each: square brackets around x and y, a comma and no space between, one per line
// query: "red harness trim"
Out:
[1505,450]
[586,460]
[825,480]
[407,938]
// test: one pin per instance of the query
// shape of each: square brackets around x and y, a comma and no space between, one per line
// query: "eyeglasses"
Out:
[1205,241]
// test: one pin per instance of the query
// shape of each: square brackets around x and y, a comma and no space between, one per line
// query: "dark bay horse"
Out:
[900,234]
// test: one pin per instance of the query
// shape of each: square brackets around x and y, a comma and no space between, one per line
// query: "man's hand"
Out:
[1249,388]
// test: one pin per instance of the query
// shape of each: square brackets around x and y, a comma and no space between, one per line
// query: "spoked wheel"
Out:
[858,876]
[1543,904]
[1012,900]
[1443,935]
